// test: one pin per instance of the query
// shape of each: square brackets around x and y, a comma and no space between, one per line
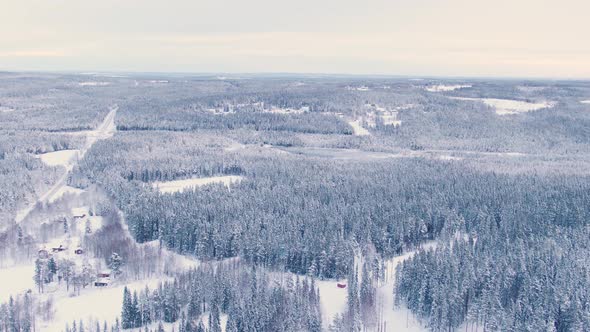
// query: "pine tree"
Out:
[127,312]
[115,263]
[214,319]
[51,268]
[136,315]
[40,271]
[28,319]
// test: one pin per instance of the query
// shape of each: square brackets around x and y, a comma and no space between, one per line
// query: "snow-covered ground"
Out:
[333,299]
[180,185]
[372,113]
[4,109]
[585,101]
[65,190]
[59,158]
[93,83]
[222,319]
[277,110]
[16,280]
[105,130]
[234,146]
[102,304]
[358,129]
[528,89]
[509,106]
[358,88]
[400,318]
[443,87]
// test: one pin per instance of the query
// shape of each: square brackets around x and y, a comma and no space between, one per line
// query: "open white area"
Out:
[358,129]
[93,303]
[358,88]
[530,89]
[585,101]
[279,110]
[332,299]
[16,280]
[180,185]
[443,87]
[59,158]
[222,319]
[65,190]
[4,109]
[92,83]
[509,106]
[399,318]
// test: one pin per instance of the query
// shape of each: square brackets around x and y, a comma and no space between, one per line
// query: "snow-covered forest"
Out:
[293,203]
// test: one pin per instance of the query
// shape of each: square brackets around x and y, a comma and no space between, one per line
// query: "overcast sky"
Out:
[514,38]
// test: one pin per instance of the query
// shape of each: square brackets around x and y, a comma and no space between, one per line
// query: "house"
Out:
[58,249]
[101,283]
[79,251]
[104,274]
[341,285]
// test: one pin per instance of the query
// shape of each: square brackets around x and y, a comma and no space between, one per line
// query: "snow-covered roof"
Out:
[79,211]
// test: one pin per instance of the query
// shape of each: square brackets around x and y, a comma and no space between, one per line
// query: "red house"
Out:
[341,285]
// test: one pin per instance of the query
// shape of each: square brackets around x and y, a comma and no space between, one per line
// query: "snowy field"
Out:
[444,88]
[358,129]
[92,83]
[585,101]
[59,158]
[4,109]
[16,280]
[509,106]
[175,186]
[93,304]
[278,110]
[65,190]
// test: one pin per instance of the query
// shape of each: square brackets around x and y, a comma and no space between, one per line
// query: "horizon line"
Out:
[292,74]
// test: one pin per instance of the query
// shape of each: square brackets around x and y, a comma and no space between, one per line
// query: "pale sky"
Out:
[514,38]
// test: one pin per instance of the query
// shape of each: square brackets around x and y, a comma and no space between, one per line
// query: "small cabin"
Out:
[58,249]
[43,253]
[80,216]
[341,285]
[79,251]
[104,274]
[101,283]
